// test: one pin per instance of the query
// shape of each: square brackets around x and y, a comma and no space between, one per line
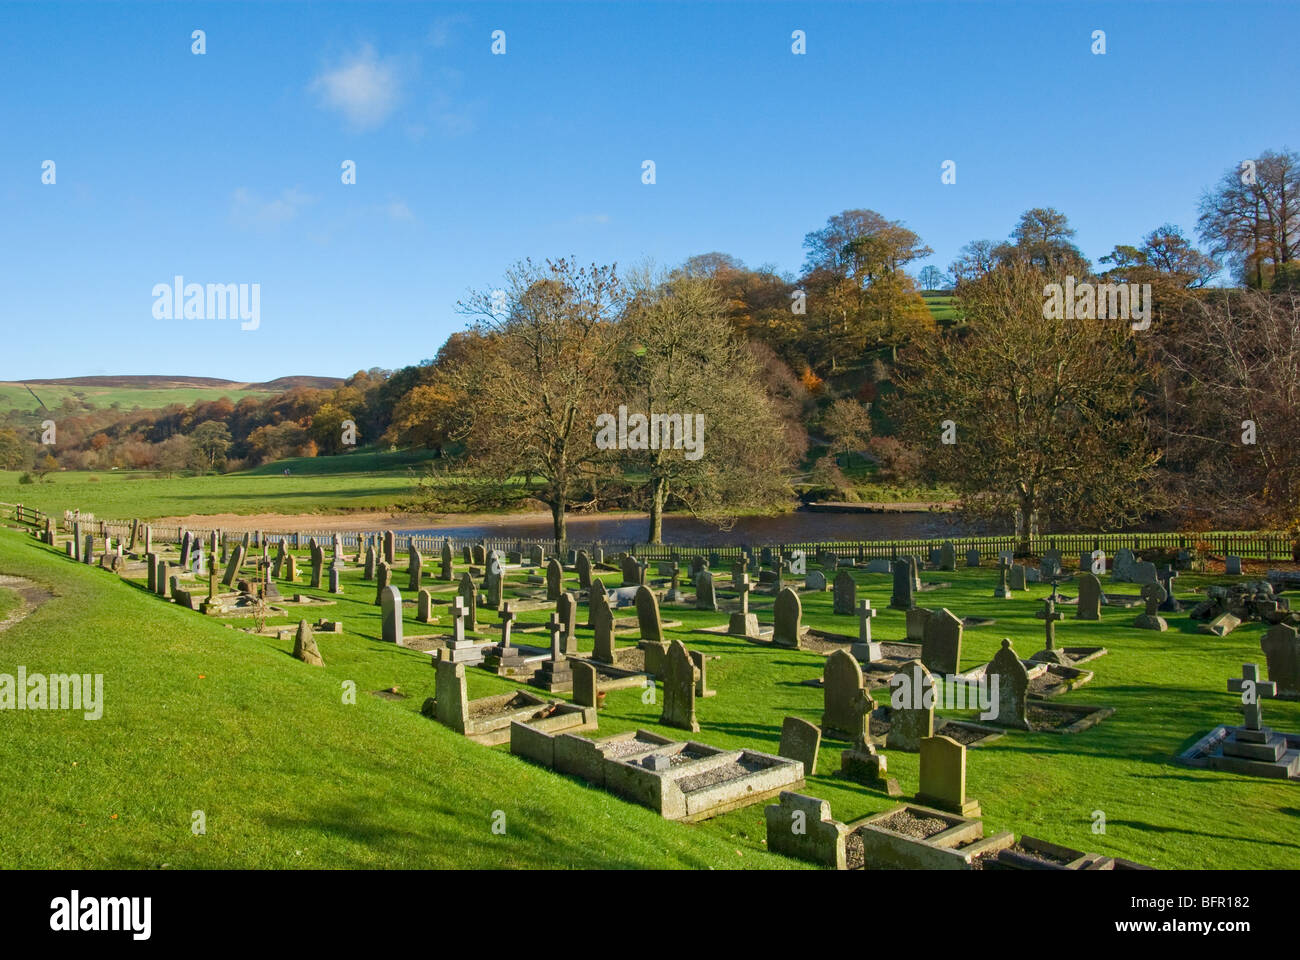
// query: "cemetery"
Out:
[947,723]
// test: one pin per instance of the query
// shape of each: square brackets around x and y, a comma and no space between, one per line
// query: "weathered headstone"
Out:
[911,697]
[1089,607]
[1144,572]
[390,547]
[647,615]
[444,573]
[304,646]
[633,572]
[585,686]
[948,556]
[972,557]
[679,688]
[801,740]
[1003,590]
[317,566]
[1153,595]
[567,609]
[601,617]
[584,570]
[383,577]
[943,777]
[469,593]
[554,579]
[814,581]
[368,573]
[232,568]
[845,699]
[336,571]
[1018,577]
[391,607]
[903,598]
[1124,568]
[787,614]
[1012,687]
[941,643]
[1232,566]
[414,568]
[705,598]
[1281,646]
[844,594]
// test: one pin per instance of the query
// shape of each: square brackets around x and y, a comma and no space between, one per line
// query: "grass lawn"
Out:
[359,481]
[199,716]
[9,602]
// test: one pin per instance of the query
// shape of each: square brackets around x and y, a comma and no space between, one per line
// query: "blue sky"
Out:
[225,167]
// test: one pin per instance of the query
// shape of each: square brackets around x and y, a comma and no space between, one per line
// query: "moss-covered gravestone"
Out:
[304,646]
[844,695]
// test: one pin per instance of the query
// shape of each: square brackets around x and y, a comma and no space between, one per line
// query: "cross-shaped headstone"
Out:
[556,627]
[865,613]
[1050,616]
[744,593]
[1252,690]
[1167,576]
[458,614]
[507,618]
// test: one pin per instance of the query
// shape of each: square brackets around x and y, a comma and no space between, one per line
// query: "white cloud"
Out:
[251,210]
[440,32]
[364,88]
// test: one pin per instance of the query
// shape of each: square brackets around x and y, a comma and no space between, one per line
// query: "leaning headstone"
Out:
[911,697]
[941,643]
[801,740]
[787,612]
[584,570]
[844,696]
[1154,595]
[943,777]
[705,598]
[392,615]
[232,568]
[844,594]
[1012,687]
[679,689]
[1089,606]
[1281,646]
[304,646]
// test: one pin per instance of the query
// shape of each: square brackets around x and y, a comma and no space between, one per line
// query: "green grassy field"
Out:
[943,308]
[14,396]
[201,717]
[9,602]
[360,481]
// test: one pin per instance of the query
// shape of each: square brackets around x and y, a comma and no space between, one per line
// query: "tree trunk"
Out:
[658,494]
[558,520]
[1026,524]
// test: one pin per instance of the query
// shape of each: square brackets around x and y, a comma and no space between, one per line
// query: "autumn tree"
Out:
[1046,414]
[540,377]
[1251,218]
[711,438]
[1235,370]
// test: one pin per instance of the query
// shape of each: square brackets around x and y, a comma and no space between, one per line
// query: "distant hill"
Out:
[170,383]
[144,392]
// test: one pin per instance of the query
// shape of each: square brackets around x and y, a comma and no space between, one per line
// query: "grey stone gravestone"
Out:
[801,740]
[1012,689]
[679,689]
[787,613]
[941,644]
[912,700]
[391,607]
[1089,607]
[844,594]
[705,597]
